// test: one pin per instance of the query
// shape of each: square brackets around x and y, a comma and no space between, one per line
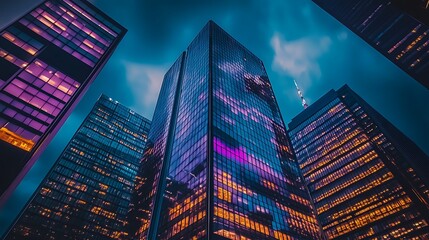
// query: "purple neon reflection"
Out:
[238,154]
[239,107]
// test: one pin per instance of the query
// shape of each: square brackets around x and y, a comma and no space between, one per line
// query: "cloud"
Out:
[342,36]
[145,83]
[299,58]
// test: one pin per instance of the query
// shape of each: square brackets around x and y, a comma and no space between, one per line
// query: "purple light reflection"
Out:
[251,113]
[238,154]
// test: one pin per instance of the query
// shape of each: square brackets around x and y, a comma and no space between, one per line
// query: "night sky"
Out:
[294,39]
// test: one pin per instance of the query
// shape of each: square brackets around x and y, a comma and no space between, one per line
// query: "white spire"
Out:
[303,102]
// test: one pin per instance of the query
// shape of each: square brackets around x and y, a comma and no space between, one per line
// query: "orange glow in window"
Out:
[16,140]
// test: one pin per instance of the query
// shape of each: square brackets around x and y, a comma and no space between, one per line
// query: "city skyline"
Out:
[367,73]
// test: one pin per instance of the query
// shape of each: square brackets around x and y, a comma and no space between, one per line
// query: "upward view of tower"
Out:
[398,29]
[366,178]
[218,164]
[48,59]
[87,193]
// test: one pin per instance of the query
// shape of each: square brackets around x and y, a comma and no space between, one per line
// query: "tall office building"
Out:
[48,59]
[366,178]
[86,194]
[399,29]
[218,164]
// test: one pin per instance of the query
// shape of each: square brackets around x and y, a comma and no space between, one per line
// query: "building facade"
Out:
[86,194]
[367,179]
[399,29]
[218,163]
[48,59]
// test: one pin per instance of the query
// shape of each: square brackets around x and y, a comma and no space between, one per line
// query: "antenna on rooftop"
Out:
[303,102]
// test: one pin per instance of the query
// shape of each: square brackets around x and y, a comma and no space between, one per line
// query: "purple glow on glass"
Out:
[87,61]
[39,76]
[13,90]
[37,30]
[53,23]
[59,94]
[231,67]
[247,113]
[25,97]
[73,19]
[5,98]
[238,154]
[35,125]
[274,141]
[9,112]
[66,98]
[27,121]
[19,83]
[49,109]
[31,90]
[227,119]
[202,96]
[58,43]
[37,102]
[90,18]
[42,117]
[255,78]
[34,69]
[48,88]
[17,104]
[252,117]
[42,96]
[19,117]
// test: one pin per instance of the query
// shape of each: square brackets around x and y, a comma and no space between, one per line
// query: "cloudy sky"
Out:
[295,40]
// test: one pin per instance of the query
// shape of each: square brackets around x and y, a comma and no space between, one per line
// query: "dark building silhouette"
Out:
[218,164]
[367,179]
[399,29]
[48,59]
[87,192]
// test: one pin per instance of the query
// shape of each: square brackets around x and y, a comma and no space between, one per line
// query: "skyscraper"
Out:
[86,194]
[366,178]
[399,29]
[218,164]
[48,59]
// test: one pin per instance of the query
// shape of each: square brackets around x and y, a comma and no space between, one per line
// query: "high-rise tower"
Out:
[398,29]
[366,178]
[48,59]
[218,164]
[86,194]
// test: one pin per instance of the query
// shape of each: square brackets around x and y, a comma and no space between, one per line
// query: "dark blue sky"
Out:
[294,39]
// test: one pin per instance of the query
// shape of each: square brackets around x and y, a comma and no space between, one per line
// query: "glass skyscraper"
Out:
[366,178]
[218,163]
[87,192]
[48,59]
[399,29]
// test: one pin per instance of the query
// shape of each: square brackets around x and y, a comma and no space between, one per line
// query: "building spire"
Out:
[303,102]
